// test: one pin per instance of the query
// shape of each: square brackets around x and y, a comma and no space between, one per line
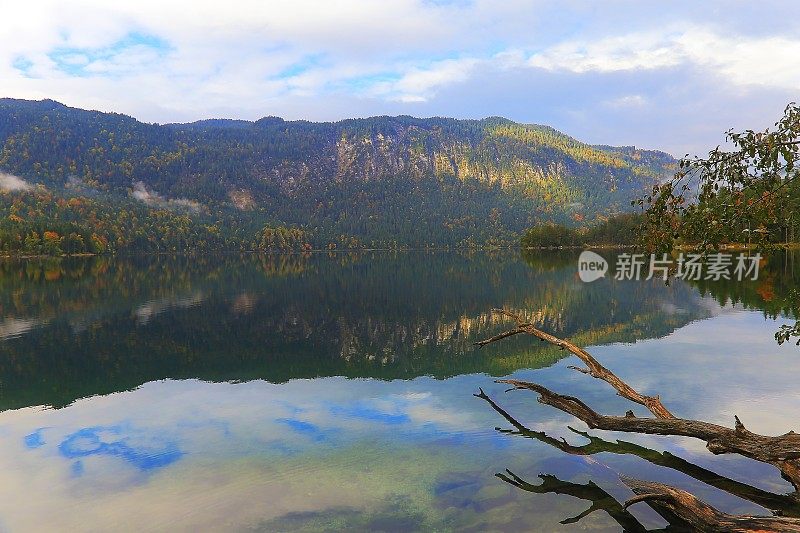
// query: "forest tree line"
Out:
[621,229]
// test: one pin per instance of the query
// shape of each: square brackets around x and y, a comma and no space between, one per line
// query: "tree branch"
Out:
[594,369]
[601,500]
[677,505]
[782,451]
[779,504]
[680,509]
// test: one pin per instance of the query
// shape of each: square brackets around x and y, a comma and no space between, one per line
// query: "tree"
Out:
[73,243]
[32,243]
[51,243]
[748,194]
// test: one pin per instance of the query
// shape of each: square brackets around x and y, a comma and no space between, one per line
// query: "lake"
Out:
[335,391]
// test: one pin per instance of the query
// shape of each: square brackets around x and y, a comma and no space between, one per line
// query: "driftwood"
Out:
[680,507]
[674,504]
[779,504]
[593,368]
[781,451]
[681,510]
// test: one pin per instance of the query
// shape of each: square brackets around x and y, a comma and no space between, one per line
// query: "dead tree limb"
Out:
[593,368]
[679,506]
[680,509]
[779,504]
[781,451]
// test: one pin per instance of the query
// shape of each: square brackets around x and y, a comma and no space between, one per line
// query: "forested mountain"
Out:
[104,181]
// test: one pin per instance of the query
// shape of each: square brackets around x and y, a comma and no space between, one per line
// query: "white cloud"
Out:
[141,193]
[419,84]
[11,327]
[630,52]
[152,198]
[628,100]
[186,60]
[129,60]
[770,61]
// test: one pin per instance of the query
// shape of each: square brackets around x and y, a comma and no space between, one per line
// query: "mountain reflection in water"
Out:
[217,392]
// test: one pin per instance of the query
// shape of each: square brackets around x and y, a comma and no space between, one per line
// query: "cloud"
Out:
[152,308]
[114,441]
[305,59]
[744,61]
[12,327]
[634,51]
[419,84]
[629,100]
[9,182]
[185,203]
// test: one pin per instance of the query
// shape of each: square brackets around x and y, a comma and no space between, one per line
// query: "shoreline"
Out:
[731,247]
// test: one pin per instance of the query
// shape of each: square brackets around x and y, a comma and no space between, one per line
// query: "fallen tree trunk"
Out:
[682,510]
[779,504]
[781,451]
[679,506]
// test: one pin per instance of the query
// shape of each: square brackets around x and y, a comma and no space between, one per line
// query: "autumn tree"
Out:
[747,191]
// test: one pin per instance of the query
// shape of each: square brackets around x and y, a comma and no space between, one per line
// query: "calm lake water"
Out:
[335,392]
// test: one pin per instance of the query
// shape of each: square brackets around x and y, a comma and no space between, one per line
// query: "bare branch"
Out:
[779,504]
[481,344]
[677,505]
[782,451]
[681,509]
[601,500]
[594,369]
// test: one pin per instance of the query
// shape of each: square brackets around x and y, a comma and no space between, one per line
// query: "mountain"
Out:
[113,182]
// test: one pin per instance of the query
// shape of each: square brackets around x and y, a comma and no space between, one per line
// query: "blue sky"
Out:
[668,75]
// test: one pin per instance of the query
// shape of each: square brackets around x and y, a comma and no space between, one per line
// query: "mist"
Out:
[10,182]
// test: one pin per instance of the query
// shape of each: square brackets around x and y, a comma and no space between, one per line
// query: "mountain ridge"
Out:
[362,182]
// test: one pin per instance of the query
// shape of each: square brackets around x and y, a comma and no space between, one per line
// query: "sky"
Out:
[666,75]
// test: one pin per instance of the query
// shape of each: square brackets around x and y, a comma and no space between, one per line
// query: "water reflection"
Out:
[78,327]
[231,406]
[779,504]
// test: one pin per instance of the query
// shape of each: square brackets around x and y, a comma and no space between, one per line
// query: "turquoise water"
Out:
[330,392]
